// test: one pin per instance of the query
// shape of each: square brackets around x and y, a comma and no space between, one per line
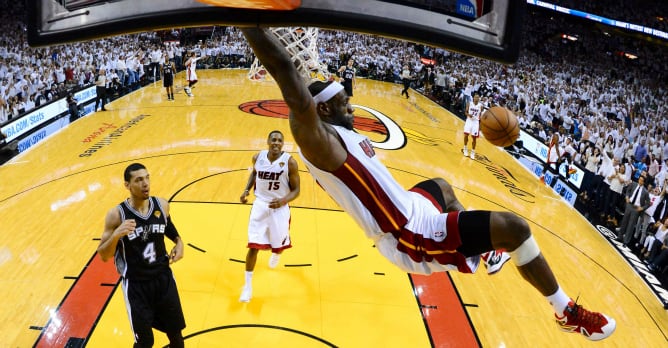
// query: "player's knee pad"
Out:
[526,252]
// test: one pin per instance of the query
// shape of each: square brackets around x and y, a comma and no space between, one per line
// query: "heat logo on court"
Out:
[380,124]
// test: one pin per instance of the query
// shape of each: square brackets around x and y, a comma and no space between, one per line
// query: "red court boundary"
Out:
[447,322]
[82,306]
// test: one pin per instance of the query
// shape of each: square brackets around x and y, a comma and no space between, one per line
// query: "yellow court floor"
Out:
[332,288]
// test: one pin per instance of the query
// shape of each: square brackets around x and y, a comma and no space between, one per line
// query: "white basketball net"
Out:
[302,45]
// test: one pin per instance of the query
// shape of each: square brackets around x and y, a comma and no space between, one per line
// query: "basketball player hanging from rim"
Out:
[421,230]
[472,126]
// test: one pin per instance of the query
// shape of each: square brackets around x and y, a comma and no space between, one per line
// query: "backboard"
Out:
[483,28]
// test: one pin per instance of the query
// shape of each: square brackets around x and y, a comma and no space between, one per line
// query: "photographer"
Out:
[7,151]
[115,89]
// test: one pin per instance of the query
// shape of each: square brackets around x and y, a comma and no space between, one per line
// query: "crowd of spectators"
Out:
[35,76]
[607,111]
[31,77]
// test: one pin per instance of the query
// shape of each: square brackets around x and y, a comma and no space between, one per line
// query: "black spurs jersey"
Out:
[348,74]
[142,254]
[167,70]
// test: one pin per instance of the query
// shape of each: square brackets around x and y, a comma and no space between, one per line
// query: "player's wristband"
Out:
[170,230]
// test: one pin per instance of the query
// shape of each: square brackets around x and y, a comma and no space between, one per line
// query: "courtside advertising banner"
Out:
[44,114]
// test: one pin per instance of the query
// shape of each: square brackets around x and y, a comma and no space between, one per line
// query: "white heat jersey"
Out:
[191,73]
[271,178]
[475,110]
[391,216]
[365,189]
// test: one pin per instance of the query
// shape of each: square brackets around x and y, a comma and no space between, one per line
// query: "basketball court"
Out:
[332,289]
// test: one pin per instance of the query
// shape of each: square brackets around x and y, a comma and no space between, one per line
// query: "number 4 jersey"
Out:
[271,179]
[141,255]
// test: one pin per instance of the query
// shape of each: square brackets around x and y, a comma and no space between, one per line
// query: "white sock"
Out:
[249,277]
[559,300]
[465,149]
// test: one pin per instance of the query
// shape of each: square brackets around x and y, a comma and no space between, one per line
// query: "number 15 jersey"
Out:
[271,178]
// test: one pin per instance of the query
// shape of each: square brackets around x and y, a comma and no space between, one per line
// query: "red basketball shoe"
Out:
[594,326]
[494,260]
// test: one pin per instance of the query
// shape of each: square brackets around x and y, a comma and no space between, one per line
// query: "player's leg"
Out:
[251,259]
[279,234]
[247,290]
[510,232]
[168,311]
[450,201]
[482,231]
[257,239]
[465,151]
[441,192]
[175,339]
[139,312]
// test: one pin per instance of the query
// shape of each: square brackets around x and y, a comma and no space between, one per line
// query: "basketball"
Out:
[499,126]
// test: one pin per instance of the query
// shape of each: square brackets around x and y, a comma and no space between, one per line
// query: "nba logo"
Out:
[470,8]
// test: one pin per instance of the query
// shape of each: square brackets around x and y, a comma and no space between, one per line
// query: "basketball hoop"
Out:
[302,45]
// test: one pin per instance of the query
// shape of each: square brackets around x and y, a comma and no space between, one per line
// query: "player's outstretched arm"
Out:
[277,61]
[309,132]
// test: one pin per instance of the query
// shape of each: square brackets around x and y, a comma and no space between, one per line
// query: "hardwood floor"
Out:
[332,288]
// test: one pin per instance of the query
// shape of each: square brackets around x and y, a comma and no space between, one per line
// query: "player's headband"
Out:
[327,93]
